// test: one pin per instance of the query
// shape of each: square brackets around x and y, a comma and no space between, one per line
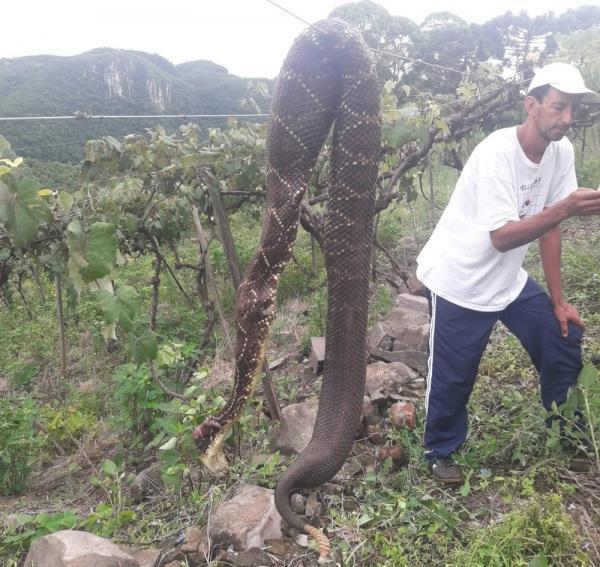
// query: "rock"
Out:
[350,505]
[252,558]
[416,389]
[314,507]
[146,557]
[368,410]
[72,548]
[413,337]
[283,548]
[245,520]
[403,414]
[362,460]
[399,318]
[146,483]
[415,286]
[414,302]
[317,354]
[404,330]
[412,358]
[374,435]
[398,284]
[394,452]
[379,334]
[11,521]
[387,380]
[297,428]
[405,327]
[351,468]
[298,503]
[203,547]
[370,415]
[192,539]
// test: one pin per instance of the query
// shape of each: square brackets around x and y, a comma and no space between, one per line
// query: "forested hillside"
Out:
[105,82]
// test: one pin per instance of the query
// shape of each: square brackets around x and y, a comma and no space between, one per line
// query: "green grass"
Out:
[519,506]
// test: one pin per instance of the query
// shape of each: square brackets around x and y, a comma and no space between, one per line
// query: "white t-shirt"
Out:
[498,184]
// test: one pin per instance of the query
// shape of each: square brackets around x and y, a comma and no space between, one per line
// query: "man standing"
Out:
[518,185]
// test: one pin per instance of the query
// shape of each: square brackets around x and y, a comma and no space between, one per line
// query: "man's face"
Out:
[554,115]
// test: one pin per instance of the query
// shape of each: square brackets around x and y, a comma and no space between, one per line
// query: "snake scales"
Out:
[327,78]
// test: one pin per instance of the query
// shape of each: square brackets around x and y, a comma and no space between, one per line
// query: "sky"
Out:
[248,37]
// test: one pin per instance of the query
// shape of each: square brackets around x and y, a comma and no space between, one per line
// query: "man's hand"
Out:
[583,202]
[565,313]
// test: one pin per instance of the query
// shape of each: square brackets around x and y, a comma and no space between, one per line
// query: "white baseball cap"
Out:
[565,78]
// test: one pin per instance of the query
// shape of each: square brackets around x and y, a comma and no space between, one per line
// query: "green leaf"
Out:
[22,210]
[101,251]
[364,519]
[92,256]
[170,444]
[21,519]
[397,134]
[143,347]
[121,308]
[170,457]
[539,561]
[588,375]
[109,467]
[189,160]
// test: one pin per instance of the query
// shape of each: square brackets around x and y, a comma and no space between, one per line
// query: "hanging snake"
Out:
[328,77]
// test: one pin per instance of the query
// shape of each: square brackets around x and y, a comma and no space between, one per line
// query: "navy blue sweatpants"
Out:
[458,337]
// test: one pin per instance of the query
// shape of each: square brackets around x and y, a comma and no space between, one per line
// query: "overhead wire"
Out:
[88,116]
[406,58]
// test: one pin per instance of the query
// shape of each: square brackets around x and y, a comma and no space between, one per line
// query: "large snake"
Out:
[327,78]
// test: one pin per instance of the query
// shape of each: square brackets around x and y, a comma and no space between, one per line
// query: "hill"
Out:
[105,81]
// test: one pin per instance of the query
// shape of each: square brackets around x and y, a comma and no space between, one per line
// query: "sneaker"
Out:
[446,471]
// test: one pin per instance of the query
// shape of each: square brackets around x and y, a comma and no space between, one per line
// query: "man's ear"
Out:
[529,103]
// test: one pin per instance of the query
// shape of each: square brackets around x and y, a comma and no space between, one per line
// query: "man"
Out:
[518,185]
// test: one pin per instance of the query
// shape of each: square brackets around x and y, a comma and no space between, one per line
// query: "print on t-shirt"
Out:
[529,197]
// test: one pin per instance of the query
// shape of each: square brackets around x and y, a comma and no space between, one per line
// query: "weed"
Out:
[539,532]
[65,425]
[110,516]
[18,440]
[137,399]
[578,423]
[380,303]
[24,528]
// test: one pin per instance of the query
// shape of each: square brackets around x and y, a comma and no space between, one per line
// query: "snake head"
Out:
[209,441]
[205,434]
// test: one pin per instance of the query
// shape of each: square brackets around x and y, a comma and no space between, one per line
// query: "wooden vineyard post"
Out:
[61,326]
